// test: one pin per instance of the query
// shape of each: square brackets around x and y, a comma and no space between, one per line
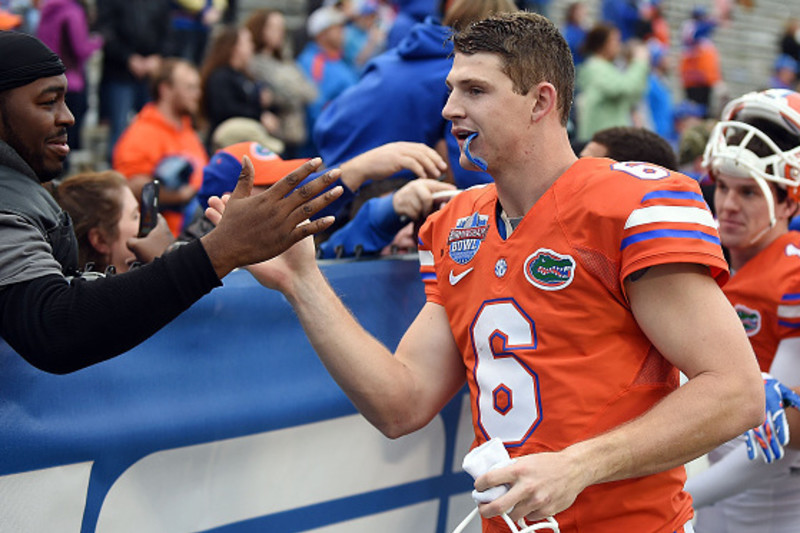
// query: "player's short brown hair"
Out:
[531,49]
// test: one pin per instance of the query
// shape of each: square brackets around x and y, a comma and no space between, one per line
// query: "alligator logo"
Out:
[465,239]
[262,152]
[751,319]
[549,270]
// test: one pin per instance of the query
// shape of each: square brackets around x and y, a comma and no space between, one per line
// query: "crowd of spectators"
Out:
[191,77]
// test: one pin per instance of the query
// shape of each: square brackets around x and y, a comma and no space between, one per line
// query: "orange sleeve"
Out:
[427,268]
[671,224]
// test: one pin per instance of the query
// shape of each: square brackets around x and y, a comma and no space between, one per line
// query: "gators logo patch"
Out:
[262,152]
[465,239]
[751,319]
[549,270]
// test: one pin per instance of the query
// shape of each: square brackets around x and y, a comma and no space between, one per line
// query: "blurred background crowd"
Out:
[157,87]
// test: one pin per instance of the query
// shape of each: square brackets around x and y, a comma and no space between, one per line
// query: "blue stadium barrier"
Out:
[226,421]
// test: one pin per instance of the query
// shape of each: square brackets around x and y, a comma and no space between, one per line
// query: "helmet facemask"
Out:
[730,147]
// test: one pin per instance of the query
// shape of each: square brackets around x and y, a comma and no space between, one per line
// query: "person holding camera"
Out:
[109,224]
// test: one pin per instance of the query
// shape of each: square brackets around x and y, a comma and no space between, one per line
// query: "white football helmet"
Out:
[778,106]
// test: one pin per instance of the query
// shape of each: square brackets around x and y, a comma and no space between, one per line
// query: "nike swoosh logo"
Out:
[458,277]
[791,250]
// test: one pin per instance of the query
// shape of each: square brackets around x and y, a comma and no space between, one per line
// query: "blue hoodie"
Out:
[399,97]
[409,12]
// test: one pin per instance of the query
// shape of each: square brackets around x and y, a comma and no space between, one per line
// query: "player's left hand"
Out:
[540,485]
[770,437]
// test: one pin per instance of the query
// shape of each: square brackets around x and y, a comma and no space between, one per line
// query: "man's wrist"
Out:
[222,266]
[590,463]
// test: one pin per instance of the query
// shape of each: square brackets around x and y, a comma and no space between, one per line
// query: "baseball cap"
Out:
[240,129]
[324,18]
[222,171]
[784,61]
[365,7]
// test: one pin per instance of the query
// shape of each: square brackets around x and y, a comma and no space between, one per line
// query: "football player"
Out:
[567,295]
[753,156]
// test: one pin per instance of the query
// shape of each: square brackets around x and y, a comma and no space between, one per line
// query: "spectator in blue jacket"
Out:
[222,173]
[623,15]
[574,30]
[380,219]
[401,94]
[409,13]
[660,102]
[321,60]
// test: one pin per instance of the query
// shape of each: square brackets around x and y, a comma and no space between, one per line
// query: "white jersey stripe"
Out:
[425,258]
[789,311]
[670,213]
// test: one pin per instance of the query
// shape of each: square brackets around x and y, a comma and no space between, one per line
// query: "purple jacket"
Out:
[63,27]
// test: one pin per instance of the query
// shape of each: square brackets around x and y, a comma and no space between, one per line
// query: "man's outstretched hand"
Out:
[257,228]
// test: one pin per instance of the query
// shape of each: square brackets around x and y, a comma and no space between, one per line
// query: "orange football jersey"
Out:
[551,350]
[766,295]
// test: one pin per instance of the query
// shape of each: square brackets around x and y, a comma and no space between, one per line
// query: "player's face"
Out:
[482,101]
[34,120]
[743,213]
[128,226]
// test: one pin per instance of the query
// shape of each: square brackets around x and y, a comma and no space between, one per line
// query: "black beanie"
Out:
[25,59]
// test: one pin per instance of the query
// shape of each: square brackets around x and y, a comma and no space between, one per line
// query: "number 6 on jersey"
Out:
[508,389]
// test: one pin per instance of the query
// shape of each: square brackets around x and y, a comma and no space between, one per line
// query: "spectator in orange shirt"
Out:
[162,143]
[700,70]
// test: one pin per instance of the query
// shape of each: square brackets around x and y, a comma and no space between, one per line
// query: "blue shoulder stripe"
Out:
[427,276]
[668,233]
[673,195]
[786,324]
[790,297]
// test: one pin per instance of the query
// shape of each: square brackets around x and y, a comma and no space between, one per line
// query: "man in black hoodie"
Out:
[60,322]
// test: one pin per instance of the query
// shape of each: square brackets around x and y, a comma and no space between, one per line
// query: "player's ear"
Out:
[787,209]
[544,100]
[793,207]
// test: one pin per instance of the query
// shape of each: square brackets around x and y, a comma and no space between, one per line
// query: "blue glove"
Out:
[771,436]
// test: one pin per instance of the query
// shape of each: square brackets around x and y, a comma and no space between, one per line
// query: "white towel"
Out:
[488,456]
